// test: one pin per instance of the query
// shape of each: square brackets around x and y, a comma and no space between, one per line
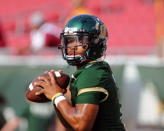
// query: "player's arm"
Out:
[11,125]
[84,119]
[81,117]
[60,117]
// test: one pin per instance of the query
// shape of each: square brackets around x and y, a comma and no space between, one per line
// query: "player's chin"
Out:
[72,55]
[75,55]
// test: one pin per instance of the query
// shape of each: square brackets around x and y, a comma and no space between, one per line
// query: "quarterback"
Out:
[94,104]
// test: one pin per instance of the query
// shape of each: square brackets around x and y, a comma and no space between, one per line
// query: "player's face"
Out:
[76,45]
[75,48]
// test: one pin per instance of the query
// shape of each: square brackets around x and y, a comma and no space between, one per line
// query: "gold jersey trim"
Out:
[98,89]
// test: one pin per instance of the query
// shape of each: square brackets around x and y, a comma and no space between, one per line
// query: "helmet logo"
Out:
[70,30]
[97,25]
[103,31]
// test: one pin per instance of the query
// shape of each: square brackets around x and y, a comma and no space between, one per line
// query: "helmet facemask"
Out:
[69,45]
[88,30]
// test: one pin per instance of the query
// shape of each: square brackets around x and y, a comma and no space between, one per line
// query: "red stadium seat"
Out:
[131,23]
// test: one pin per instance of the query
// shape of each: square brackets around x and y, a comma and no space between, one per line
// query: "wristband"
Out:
[56,95]
[58,99]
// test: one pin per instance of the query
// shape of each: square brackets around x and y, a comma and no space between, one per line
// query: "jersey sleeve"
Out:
[90,87]
[89,97]
[89,78]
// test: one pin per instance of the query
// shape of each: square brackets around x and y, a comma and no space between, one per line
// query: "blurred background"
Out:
[29,36]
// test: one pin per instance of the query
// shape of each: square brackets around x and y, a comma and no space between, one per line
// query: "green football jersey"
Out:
[94,83]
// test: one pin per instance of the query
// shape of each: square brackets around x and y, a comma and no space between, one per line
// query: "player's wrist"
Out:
[58,97]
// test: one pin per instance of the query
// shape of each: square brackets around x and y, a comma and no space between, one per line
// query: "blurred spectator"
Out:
[40,116]
[43,34]
[79,7]
[2,39]
[2,119]
[8,121]
[11,125]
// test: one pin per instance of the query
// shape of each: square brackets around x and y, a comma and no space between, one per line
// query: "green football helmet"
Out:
[86,29]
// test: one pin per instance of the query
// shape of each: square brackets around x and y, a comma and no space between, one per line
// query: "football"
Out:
[61,78]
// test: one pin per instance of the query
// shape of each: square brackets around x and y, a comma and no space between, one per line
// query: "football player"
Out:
[94,102]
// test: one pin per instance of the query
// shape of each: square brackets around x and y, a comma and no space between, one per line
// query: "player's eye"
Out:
[70,40]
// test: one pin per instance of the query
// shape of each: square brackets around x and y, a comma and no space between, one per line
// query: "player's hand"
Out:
[50,86]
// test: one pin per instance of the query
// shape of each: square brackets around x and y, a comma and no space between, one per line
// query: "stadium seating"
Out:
[131,24]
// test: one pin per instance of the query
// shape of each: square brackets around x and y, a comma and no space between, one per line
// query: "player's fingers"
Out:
[39,92]
[60,71]
[46,72]
[52,77]
[42,78]
[40,84]
[52,70]
[64,91]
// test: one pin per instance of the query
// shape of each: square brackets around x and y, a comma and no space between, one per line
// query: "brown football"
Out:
[62,80]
